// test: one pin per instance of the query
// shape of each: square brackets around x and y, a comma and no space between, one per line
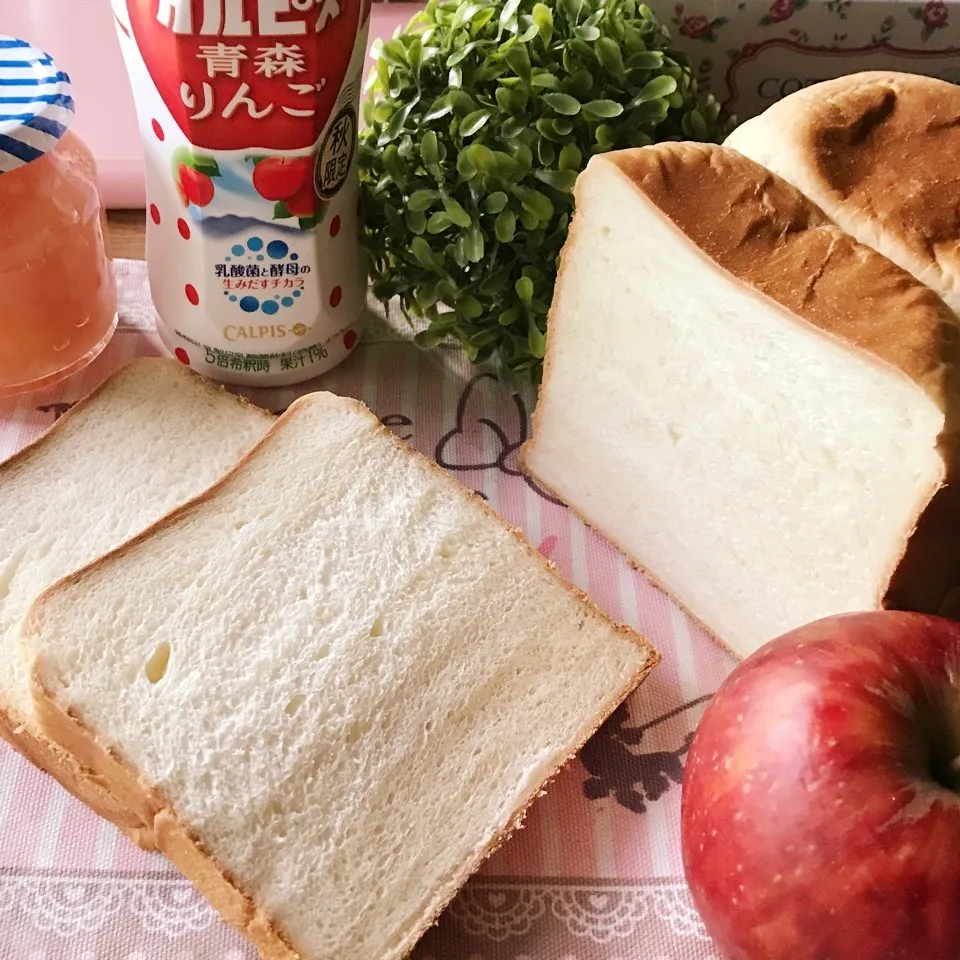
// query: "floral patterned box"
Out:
[750,53]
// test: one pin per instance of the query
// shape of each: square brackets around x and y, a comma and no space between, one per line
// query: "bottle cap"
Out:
[36,105]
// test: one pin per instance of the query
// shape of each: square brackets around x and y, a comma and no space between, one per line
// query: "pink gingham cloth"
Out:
[595,874]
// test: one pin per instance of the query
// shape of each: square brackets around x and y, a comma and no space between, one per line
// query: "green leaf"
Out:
[438,222]
[518,59]
[524,288]
[430,338]
[429,151]
[469,306]
[602,109]
[508,316]
[441,107]
[395,53]
[508,14]
[422,251]
[281,211]
[570,157]
[545,81]
[392,130]
[537,341]
[561,103]
[608,53]
[645,60]
[393,164]
[586,33]
[562,180]
[528,219]
[455,212]
[416,220]
[455,77]
[512,127]
[459,252]
[504,99]
[421,200]
[543,18]
[495,202]
[606,136]
[460,55]
[473,244]
[464,13]
[537,203]
[465,166]
[655,89]
[462,103]
[383,73]
[571,10]
[472,122]
[505,226]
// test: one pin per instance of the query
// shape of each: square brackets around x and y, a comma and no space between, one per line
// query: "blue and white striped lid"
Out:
[35,103]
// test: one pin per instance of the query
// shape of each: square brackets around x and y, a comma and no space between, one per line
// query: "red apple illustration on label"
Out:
[193,176]
[197,187]
[237,74]
[304,202]
[279,178]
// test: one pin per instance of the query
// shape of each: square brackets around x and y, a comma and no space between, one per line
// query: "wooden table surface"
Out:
[127,229]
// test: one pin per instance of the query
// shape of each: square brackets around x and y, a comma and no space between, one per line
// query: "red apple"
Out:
[821,800]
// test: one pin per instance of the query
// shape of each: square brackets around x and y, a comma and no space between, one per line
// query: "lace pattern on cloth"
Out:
[56,917]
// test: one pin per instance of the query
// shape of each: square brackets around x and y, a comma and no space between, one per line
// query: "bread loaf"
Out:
[760,411]
[151,437]
[332,684]
[879,153]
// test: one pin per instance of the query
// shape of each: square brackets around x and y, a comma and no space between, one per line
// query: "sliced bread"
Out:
[332,684]
[152,436]
[878,153]
[757,409]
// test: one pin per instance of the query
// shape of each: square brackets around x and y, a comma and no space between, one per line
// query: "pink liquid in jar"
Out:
[58,304]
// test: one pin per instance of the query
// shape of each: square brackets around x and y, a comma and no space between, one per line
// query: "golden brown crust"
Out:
[175,838]
[79,780]
[20,732]
[768,235]
[882,147]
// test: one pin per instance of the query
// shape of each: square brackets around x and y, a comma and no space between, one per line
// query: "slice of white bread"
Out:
[878,153]
[756,408]
[332,683]
[151,437]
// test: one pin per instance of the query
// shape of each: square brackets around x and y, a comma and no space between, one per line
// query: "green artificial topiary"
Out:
[480,116]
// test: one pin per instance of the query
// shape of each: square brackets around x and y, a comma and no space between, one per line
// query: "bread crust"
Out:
[877,150]
[175,838]
[766,234]
[21,732]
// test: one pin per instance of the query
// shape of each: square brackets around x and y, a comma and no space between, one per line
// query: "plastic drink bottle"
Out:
[248,116]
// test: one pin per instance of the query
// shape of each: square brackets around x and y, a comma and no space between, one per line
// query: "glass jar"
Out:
[58,303]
